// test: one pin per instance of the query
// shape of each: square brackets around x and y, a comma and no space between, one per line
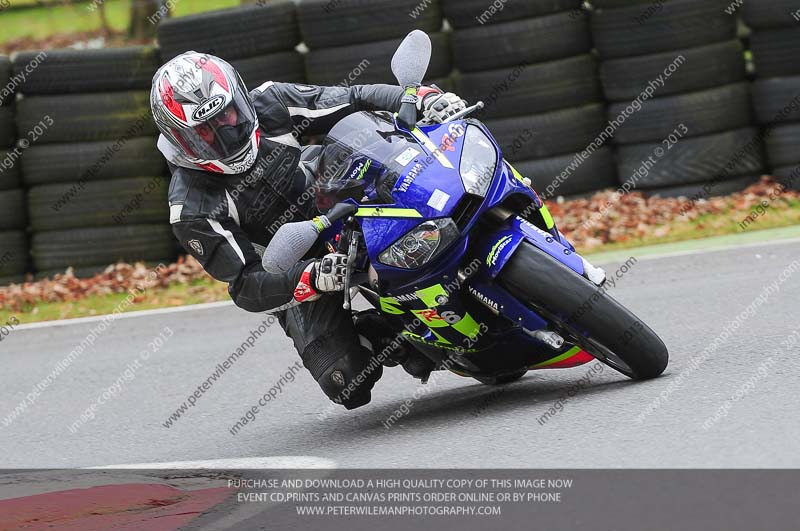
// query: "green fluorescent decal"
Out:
[429,295]
[568,354]
[468,326]
[442,343]
[391,306]
[319,224]
[364,170]
[490,260]
[548,219]
[517,175]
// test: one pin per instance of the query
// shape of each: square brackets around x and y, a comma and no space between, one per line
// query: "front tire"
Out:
[585,313]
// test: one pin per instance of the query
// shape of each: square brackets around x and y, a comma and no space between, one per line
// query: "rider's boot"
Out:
[389,346]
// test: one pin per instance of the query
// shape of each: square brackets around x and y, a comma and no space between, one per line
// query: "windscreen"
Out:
[366,135]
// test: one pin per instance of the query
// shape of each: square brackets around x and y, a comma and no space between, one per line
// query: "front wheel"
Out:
[584,313]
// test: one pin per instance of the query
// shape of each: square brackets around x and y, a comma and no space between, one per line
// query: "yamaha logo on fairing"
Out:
[208,108]
[408,297]
[409,179]
[483,298]
[534,227]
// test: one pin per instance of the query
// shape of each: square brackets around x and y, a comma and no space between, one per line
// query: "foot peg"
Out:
[551,339]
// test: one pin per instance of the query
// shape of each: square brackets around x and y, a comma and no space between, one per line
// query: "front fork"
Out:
[499,246]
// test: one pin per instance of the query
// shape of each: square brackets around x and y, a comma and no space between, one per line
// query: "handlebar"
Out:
[466,112]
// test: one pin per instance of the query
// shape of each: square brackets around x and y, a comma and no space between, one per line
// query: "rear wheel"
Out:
[585,314]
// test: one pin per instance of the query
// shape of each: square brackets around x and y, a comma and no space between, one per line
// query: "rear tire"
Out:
[606,322]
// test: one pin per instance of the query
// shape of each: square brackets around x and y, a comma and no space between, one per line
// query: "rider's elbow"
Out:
[242,300]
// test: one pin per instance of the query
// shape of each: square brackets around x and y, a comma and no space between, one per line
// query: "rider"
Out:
[236,169]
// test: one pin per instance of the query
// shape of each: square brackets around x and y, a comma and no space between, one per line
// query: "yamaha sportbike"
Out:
[457,250]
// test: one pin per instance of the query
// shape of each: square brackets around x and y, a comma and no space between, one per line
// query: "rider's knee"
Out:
[346,376]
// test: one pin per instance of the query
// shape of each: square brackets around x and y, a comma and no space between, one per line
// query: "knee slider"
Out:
[350,378]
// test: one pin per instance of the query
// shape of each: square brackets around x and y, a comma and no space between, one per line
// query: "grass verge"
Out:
[197,292]
[708,225]
[39,22]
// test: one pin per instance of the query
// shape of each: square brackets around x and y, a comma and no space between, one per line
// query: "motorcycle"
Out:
[457,250]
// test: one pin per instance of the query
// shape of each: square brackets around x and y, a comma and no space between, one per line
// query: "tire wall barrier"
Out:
[775,43]
[14,259]
[95,183]
[580,97]
[679,103]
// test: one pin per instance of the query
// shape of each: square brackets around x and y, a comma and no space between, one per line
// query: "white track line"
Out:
[127,315]
[236,463]
[691,252]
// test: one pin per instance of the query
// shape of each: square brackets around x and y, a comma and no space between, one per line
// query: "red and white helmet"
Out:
[202,107]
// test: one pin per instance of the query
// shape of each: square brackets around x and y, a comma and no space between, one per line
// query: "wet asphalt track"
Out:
[611,422]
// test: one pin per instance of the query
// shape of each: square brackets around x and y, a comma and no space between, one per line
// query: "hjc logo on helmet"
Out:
[208,108]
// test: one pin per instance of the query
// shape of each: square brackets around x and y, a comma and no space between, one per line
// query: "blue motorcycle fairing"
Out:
[499,301]
[499,246]
[423,168]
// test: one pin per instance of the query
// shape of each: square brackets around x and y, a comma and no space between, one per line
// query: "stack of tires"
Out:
[351,42]
[694,132]
[775,43]
[259,41]
[530,63]
[13,243]
[95,179]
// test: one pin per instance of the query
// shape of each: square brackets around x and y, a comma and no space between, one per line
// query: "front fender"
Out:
[498,247]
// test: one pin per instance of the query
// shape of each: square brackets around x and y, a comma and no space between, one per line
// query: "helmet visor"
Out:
[222,135]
